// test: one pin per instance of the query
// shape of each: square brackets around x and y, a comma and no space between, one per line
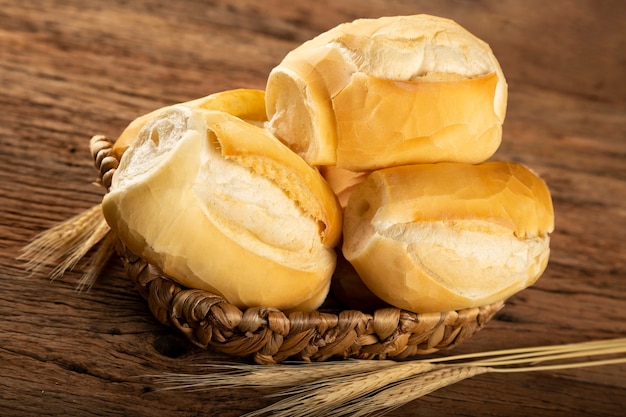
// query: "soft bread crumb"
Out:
[454,253]
[155,141]
[255,211]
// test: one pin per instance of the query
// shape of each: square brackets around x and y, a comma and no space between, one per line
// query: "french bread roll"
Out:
[219,204]
[391,91]
[448,236]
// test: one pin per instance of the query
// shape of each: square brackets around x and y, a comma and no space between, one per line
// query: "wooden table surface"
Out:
[70,69]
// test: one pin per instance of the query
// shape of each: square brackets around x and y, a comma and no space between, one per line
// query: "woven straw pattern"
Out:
[267,335]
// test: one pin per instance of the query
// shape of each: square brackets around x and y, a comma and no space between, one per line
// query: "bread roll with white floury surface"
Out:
[391,91]
[220,204]
[448,236]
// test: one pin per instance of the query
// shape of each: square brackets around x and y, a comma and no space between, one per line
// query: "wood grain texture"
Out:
[70,69]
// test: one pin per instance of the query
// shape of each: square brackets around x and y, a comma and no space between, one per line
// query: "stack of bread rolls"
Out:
[374,134]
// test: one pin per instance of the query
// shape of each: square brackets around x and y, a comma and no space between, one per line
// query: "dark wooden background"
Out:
[73,68]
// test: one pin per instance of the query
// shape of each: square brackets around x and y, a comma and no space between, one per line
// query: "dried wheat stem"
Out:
[611,348]
[380,391]
[561,366]
[410,389]
[528,352]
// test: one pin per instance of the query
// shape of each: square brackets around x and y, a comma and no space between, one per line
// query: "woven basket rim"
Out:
[268,335]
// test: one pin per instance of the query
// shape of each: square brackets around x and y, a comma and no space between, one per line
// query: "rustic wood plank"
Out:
[70,69]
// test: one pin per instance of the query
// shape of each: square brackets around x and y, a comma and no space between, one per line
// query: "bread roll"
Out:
[391,91]
[220,204]
[440,237]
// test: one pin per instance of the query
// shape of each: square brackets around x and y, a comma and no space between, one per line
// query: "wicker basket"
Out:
[267,335]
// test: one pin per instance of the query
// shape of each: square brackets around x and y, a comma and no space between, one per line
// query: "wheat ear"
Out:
[233,375]
[315,399]
[65,244]
[403,391]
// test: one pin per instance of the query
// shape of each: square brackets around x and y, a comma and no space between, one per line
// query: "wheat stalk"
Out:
[66,243]
[405,390]
[537,351]
[360,388]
